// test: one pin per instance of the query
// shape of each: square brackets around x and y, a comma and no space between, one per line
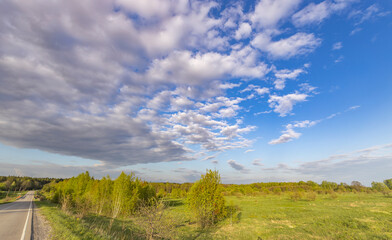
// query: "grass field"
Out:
[349,216]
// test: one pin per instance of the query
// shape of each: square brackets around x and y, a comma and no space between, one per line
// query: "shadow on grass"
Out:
[173,202]
[89,227]
[113,228]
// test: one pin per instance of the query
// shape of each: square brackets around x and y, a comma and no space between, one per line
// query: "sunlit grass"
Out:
[349,216]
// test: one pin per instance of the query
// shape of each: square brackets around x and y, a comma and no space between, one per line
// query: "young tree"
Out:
[122,192]
[206,200]
[388,182]
[381,187]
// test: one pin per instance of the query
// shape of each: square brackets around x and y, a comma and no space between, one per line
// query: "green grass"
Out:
[70,227]
[11,196]
[349,216]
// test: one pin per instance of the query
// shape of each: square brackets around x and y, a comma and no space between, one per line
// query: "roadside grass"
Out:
[68,226]
[12,196]
[349,216]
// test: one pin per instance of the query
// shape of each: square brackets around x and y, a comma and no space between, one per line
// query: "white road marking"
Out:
[27,220]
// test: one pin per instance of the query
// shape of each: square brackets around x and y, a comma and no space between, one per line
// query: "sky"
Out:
[269,90]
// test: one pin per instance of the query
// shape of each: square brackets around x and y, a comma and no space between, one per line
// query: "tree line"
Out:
[15,183]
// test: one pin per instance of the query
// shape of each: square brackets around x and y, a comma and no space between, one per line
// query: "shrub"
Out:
[311,196]
[380,187]
[206,200]
[295,196]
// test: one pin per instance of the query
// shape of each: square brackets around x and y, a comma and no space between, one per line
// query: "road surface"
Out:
[15,218]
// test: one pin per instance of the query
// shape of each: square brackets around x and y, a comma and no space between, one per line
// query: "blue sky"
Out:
[282,90]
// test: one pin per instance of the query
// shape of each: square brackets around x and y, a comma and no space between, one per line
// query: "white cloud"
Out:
[249,150]
[339,59]
[284,74]
[337,46]
[371,12]
[297,44]
[287,136]
[284,104]
[268,13]
[313,13]
[237,166]
[243,31]
[316,13]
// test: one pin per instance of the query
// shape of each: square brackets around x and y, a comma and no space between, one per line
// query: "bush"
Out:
[206,200]
[295,196]
[311,196]
[381,187]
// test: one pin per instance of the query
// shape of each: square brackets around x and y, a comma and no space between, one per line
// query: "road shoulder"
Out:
[41,227]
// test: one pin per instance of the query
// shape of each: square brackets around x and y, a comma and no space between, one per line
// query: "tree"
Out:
[380,187]
[122,190]
[206,200]
[388,182]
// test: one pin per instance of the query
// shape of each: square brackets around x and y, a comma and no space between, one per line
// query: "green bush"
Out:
[311,196]
[295,196]
[206,199]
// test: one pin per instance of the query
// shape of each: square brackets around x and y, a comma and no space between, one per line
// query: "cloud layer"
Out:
[127,82]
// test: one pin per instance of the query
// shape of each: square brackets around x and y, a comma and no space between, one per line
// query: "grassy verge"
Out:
[68,226]
[12,196]
[349,216]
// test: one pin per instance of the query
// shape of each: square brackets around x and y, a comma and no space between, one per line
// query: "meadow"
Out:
[264,216]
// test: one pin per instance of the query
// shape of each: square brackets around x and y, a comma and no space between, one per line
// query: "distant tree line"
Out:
[14,183]
[176,190]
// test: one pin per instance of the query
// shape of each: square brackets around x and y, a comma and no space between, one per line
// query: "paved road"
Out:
[15,219]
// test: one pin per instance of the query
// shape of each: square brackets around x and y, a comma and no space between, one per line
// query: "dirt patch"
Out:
[41,227]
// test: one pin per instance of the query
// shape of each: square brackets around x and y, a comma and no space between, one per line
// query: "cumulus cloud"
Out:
[297,44]
[127,82]
[243,31]
[284,74]
[284,104]
[268,13]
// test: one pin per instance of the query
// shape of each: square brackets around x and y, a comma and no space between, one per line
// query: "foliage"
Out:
[14,183]
[154,219]
[381,187]
[84,195]
[388,183]
[206,200]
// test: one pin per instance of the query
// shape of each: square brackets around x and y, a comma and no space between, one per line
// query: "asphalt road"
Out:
[16,219]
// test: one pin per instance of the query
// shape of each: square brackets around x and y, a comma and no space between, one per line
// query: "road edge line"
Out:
[27,220]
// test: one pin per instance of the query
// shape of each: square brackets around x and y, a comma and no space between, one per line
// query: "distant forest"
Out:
[15,183]
[179,190]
